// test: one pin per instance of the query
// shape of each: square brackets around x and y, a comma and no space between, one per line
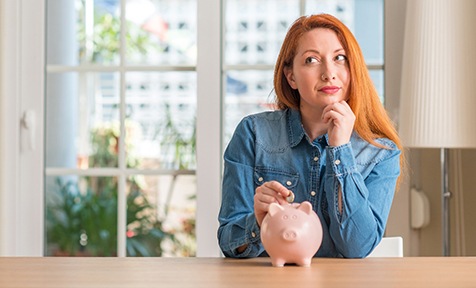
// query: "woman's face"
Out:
[320,70]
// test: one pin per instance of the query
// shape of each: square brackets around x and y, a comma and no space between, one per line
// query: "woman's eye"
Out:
[341,57]
[311,60]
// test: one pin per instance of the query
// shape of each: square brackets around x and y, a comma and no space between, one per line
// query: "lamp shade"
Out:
[438,88]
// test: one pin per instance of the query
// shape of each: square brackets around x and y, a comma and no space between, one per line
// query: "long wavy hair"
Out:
[372,120]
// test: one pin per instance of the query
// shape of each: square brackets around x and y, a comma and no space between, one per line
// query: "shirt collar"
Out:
[296,130]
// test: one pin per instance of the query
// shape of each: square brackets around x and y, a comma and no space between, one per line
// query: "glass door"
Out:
[120,130]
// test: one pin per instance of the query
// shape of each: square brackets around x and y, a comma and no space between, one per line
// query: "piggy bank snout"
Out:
[290,235]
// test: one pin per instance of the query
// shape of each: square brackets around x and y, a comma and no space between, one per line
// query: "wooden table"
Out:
[450,272]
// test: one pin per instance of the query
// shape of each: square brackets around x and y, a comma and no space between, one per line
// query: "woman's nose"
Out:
[327,72]
[327,76]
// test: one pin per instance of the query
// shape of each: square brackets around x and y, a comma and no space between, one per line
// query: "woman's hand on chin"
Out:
[341,119]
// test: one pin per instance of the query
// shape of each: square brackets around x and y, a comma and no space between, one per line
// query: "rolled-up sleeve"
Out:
[359,225]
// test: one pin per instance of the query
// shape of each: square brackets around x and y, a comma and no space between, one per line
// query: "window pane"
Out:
[160,126]
[97,30]
[255,29]
[81,216]
[363,17]
[247,92]
[62,32]
[378,79]
[161,215]
[82,120]
[161,32]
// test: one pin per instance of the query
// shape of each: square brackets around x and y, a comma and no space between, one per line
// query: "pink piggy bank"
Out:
[291,234]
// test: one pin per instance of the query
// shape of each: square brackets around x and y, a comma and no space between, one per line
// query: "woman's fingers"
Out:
[336,111]
[276,189]
[341,119]
[266,199]
[269,192]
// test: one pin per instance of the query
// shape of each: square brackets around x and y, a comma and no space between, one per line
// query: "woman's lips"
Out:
[330,89]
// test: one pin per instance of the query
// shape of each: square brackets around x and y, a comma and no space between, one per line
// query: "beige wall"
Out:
[462,182]
[399,220]
[424,168]
[2,133]
[469,188]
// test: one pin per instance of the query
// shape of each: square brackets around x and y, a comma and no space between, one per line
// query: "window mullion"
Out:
[208,125]
[121,193]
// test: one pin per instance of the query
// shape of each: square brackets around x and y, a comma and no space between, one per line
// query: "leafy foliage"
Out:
[104,45]
[82,216]
[83,223]
[184,146]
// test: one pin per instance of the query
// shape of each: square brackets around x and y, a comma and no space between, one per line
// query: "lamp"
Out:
[438,88]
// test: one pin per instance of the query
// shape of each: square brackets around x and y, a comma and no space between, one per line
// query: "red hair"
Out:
[372,120]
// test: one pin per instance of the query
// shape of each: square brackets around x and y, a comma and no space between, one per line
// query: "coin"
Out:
[290,197]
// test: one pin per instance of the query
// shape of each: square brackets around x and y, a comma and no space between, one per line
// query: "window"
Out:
[121,176]
[254,31]
[120,127]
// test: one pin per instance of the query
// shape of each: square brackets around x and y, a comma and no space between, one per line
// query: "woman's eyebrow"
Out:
[311,50]
[317,51]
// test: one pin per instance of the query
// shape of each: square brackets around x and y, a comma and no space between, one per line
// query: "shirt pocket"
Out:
[264,174]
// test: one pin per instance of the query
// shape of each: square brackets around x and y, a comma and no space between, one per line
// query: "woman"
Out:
[330,142]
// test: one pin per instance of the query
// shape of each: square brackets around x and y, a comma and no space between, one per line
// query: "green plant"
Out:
[184,146]
[82,212]
[106,42]
[82,222]
[105,145]
[144,230]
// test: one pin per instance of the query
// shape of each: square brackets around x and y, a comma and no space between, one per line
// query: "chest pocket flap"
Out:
[287,179]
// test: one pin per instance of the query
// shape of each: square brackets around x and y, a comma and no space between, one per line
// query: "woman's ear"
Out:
[288,72]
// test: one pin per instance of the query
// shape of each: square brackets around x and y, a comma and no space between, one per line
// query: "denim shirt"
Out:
[274,146]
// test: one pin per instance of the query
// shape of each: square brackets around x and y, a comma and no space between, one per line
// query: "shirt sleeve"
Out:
[237,221]
[359,226]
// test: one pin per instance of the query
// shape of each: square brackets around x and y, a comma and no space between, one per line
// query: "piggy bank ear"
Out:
[274,208]
[306,207]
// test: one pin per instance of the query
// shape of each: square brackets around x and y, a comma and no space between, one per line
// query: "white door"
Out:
[21,203]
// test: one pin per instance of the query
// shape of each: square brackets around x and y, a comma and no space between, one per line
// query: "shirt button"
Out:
[289,183]
[253,234]
[316,158]
[337,162]
[313,193]
[260,179]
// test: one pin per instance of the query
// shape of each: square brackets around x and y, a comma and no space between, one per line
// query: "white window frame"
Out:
[209,109]
[22,86]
